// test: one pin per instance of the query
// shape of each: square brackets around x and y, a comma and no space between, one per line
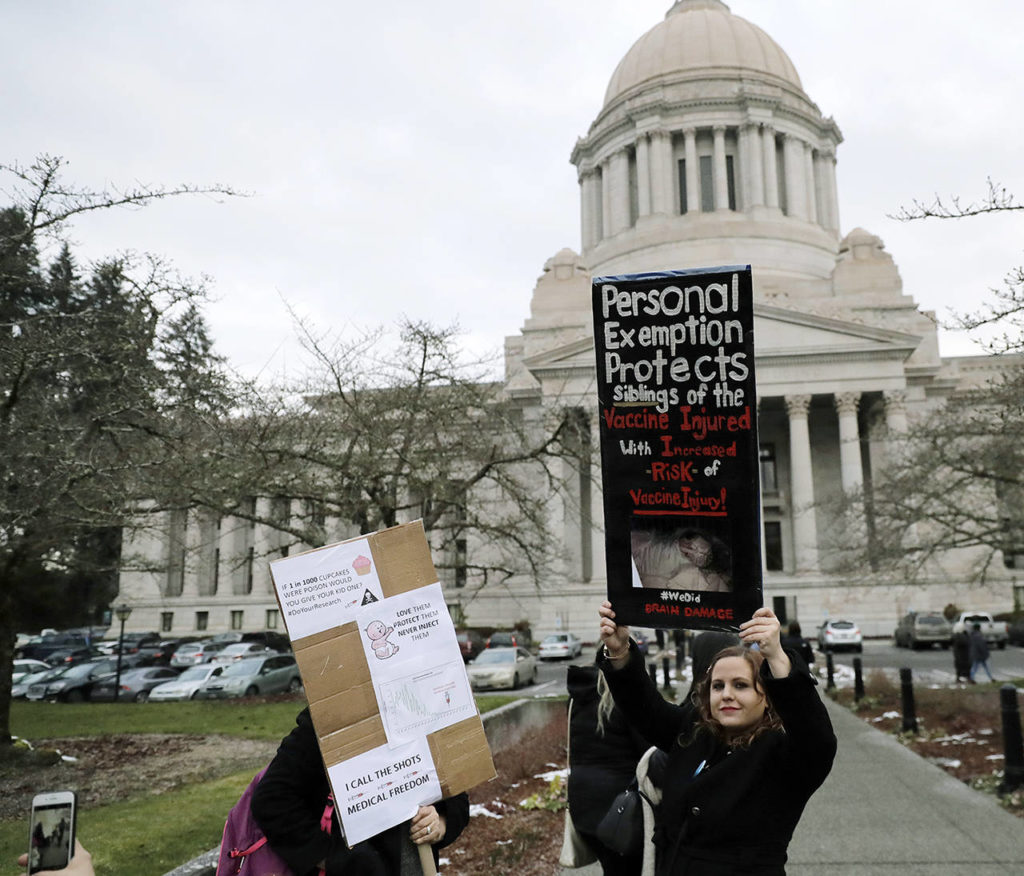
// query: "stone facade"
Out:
[707,151]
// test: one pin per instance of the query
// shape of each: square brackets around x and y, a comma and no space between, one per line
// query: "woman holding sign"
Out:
[742,764]
[289,802]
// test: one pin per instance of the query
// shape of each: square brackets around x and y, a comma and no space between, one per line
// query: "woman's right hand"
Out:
[614,637]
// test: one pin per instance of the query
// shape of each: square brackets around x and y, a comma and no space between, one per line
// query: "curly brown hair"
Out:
[702,700]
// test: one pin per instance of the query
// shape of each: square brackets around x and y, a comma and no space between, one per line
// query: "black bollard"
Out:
[652,671]
[1013,747]
[907,695]
[830,665]
[858,680]
[664,668]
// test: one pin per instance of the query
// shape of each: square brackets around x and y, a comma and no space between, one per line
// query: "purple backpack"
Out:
[243,844]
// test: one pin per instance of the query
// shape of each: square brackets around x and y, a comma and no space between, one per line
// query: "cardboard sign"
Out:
[384,677]
[679,452]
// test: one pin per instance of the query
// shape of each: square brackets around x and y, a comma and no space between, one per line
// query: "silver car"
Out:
[256,675]
[185,686]
[559,645]
[502,667]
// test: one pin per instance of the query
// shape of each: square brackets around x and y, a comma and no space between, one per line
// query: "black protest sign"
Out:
[679,453]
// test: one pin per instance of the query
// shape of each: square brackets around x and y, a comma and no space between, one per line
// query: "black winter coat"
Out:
[726,811]
[289,802]
[599,766]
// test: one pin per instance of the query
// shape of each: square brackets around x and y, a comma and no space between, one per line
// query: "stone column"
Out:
[590,207]
[812,188]
[618,197]
[692,176]
[750,169]
[805,533]
[643,176]
[606,203]
[796,181]
[662,197]
[721,180]
[771,176]
[850,469]
[895,411]
[828,182]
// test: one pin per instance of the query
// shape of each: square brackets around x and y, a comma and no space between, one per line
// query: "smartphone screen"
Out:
[52,831]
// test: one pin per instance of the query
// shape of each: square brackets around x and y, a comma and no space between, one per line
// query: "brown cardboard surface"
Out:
[339,687]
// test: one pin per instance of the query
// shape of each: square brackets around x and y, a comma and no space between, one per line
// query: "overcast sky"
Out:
[413,158]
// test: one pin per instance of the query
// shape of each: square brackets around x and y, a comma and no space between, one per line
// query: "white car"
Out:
[243,651]
[184,687]
[27,667]
[502,667]
[559,645]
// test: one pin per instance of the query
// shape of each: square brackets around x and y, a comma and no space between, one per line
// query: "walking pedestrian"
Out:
[979,654]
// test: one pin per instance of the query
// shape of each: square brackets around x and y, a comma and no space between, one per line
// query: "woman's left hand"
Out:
[765,630]
[427,826]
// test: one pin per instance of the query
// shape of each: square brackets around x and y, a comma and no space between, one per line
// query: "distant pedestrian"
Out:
[979,653]
[795,641]
[962,655]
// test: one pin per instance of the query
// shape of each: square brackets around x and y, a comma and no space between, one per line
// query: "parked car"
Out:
[642,639]
[839,635]
[75,683]
[196,653]
[502,667]
[41,647]
[185,686]
[471,643]
[922,629]
[135,684]
[70,656]
[242,651]
[271,639]
[559,645]
[27,667]
[20,688]
[132,642]
[509,639]
[997,633]
[257,675]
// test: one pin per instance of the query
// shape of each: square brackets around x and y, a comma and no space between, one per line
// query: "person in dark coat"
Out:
[979,652]
[603,754]
[743,765]
[289,801]
[962,655]
[794,640]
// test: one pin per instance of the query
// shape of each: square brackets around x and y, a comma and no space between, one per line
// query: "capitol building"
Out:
[706,151]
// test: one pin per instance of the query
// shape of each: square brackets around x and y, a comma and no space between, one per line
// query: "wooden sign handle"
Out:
[427,859]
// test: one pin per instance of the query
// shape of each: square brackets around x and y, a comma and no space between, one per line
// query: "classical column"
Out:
[796,179]
[618,197]
[771,176]
[812,188]
[692,177]
[721,179]
[643,176]
[850,470]
[805,533]
[895,411]
[660,151]
[750,169]
[590,207]
[828,181]
[606,203]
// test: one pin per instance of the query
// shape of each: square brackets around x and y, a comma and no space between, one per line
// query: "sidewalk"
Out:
[885,811]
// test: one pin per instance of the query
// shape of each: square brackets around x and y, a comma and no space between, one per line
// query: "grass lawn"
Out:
[151,835]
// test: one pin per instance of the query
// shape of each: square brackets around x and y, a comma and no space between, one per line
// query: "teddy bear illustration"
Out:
[378,634]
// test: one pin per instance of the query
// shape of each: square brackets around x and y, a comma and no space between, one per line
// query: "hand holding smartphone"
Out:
[52,831]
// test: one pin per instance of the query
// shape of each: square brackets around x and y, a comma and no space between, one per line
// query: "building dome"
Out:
[696,38]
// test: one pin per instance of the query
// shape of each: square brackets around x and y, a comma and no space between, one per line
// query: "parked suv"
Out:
[922,629]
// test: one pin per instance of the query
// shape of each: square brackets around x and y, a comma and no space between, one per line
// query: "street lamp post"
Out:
[122,612]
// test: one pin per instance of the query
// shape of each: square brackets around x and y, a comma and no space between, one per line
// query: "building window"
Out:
[769,472]
[236,619]
[773,545]
[460,562]
[272,616]
[730,179]
[166,621]
[250,559]
[1018,597]
[682,185]
[202,620]
[707,185]
[780,175]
